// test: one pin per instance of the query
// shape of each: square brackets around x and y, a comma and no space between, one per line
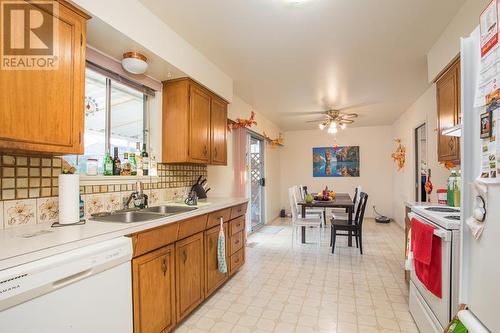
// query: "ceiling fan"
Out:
[334,119]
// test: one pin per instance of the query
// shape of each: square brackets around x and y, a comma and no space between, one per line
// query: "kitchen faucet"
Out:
[139,197]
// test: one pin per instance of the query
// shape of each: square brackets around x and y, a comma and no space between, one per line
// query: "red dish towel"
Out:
[427,256]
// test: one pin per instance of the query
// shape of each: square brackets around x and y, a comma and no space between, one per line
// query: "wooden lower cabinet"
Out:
[175,267]
[153,280]
[189,274]
[213,278]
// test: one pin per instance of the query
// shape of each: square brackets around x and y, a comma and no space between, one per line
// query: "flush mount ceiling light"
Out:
[134,62]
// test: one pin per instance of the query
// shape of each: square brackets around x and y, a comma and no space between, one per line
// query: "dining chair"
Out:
[297,221]
[341,213]
[300,193]
[355,229]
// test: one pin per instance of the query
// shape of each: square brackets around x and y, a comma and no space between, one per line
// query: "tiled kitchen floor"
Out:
[311,290]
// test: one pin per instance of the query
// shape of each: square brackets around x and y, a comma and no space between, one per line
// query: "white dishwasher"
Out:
[80,291]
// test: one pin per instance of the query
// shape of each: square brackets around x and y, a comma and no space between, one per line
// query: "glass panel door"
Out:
[257,182]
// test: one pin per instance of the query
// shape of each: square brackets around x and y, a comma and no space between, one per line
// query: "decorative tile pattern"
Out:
[311,290]
[19,212]
[48,209]
[1,215]
[113,201]
[23,177]
[94,203]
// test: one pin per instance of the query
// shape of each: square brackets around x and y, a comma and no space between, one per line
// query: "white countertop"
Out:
[23,244]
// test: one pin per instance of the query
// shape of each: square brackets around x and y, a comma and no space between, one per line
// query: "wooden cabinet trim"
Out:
[236,242]
[152,239]
[236,261]
[236,225]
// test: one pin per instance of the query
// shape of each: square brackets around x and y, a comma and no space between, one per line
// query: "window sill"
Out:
[113,180]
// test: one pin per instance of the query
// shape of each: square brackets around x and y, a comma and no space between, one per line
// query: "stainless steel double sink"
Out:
[141,215]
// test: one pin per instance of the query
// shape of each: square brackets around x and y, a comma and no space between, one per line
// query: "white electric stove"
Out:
[446,217]
[431,313]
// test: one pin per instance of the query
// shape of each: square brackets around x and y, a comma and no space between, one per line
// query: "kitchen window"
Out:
[116,115]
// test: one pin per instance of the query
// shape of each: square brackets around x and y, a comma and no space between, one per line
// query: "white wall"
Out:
[221,178]
[376,165]
[422,111]
[448,44]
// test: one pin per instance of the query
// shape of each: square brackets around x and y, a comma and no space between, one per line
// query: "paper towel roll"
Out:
[69,198]
[470,321]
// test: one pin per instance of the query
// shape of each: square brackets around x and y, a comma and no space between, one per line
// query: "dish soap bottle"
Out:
[456,190]
[451,188]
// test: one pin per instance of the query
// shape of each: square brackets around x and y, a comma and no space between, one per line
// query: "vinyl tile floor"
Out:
[305,289]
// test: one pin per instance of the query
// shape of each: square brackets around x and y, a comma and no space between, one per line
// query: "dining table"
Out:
[341,200]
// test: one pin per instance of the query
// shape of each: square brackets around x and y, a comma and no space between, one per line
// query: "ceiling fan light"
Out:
[343,126]
[333,124]
[332,130]
[321,126]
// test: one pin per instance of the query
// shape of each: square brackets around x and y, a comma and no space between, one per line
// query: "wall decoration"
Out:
[242,123]
[336,161]
[399,155]
[448,165]
[274,142]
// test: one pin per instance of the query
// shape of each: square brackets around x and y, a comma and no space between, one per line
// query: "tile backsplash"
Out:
[29,189]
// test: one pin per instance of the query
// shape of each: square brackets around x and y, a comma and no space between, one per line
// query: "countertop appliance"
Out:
[480,273]
[84,290]
[431,313]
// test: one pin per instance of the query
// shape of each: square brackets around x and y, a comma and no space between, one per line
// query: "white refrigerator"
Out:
[480,258]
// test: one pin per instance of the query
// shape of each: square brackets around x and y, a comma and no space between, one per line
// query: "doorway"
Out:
[257,181]
[421,166]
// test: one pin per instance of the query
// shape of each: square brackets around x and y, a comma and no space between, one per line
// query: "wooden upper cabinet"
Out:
[153,279]
[199,130]
[448,109]
[218,119]
[194,124]
[42,111]
[189,274]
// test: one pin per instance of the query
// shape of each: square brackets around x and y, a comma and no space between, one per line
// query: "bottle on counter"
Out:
[107,165]
[451,188]
[133,164]
[456,189]
[126,168]
[117,164]
[138,158]
[145,160]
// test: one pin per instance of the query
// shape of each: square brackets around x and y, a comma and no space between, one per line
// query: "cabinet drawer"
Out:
[238,210]
[236,261]
[236,225]
[153,239]
[236,242]
[192,226]
[213,218]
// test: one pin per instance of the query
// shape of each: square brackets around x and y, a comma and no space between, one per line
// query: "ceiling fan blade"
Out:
[350,115]
[346,121]
[316,121]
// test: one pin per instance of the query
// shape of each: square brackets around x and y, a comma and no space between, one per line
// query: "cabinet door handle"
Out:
[184,255]
[237,241]
[205,151]
[164,266]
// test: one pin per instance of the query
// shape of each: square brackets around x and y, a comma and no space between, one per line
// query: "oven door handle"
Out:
[445,235]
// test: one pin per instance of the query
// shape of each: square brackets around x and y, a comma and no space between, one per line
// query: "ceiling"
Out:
[103,37]
[288,58]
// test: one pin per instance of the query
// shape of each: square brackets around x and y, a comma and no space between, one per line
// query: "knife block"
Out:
[200,191]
